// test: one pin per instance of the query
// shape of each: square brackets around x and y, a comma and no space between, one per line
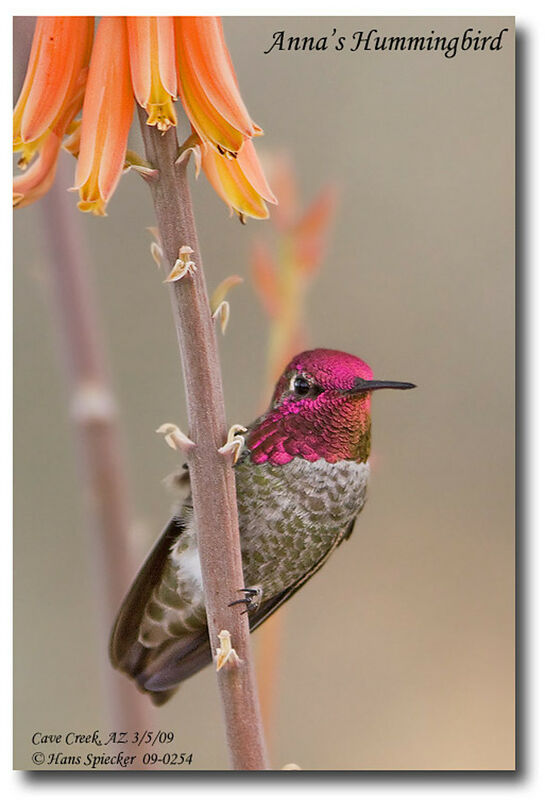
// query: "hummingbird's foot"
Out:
[184,265]
[235,442]
[175,438]
[225,653]
[252,599]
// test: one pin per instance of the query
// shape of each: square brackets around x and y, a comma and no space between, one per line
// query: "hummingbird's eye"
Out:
[301,386]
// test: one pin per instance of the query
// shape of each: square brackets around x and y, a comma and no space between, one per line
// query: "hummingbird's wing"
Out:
[127,653]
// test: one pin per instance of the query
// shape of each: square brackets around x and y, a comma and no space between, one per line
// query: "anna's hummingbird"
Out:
[301,481]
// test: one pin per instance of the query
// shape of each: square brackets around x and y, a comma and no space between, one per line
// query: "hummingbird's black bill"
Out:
[361,386]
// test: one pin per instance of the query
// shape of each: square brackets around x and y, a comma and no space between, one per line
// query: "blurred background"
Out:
[399,654]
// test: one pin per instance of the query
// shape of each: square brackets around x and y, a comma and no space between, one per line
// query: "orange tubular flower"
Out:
[34,183]
[60,52]
[239,182]
[208,87]
[107,115]
[37,180]
[153,67]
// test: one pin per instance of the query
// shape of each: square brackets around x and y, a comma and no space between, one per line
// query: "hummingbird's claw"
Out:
[253,599]
[183,266]
[175,438]
[225,653]
[235,442]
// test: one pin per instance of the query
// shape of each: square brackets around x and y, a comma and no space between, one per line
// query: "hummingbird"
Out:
[301,480]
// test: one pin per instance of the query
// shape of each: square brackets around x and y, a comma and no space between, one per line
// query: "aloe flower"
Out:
[107,117]
[153,67]
[239,182]
[155,60]
[60,54]
[38,178]
[208,85]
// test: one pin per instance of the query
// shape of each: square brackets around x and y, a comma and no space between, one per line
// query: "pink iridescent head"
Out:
[321,408]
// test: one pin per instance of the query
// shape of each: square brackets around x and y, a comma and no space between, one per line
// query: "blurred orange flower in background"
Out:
[282,274]
[155,60]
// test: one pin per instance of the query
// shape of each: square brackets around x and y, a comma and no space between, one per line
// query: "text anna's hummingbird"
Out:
[301,482]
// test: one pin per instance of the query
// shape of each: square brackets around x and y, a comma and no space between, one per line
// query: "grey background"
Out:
[400,653]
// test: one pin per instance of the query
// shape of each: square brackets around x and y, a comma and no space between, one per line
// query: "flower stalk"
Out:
[212,476]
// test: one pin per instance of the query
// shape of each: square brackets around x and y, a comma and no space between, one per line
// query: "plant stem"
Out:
[212,476]
[97,431]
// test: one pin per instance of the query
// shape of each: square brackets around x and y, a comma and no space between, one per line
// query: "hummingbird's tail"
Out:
[159,671]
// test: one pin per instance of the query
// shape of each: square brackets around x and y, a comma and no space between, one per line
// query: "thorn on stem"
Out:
[222,313]
[226,653]
[150,175]
[184,265]
[220,292]
[156,253]
[140,165]
[175,438]
[191,145]
[235,442]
